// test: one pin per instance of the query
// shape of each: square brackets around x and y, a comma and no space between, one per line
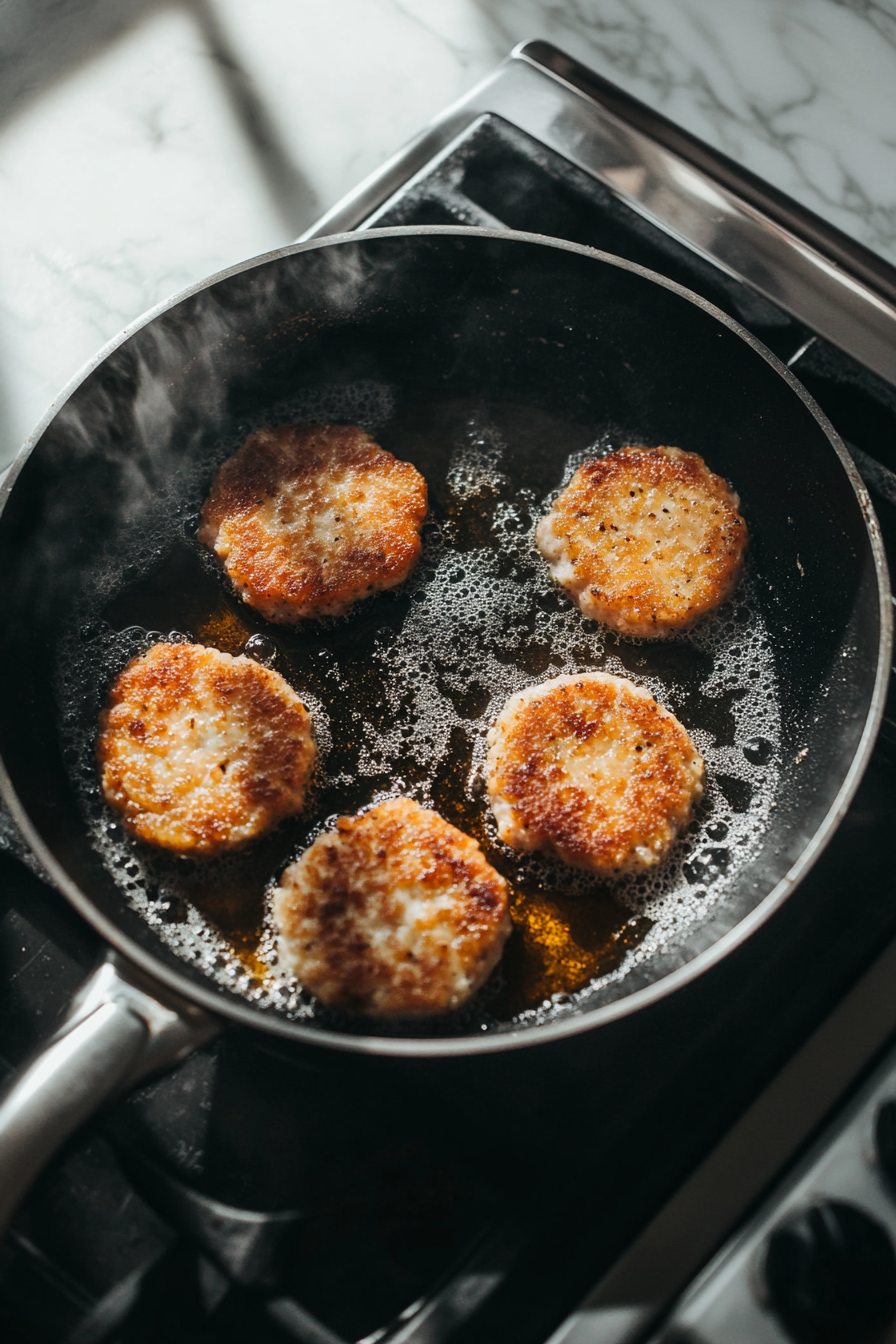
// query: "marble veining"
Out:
[802,92]
[150,144]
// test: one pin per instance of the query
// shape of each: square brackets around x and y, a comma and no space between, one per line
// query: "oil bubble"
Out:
[261,648]
[757,750]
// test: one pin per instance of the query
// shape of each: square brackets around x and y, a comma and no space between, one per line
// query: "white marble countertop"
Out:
[144,145]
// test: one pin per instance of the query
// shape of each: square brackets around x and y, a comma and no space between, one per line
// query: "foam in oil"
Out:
[402,692]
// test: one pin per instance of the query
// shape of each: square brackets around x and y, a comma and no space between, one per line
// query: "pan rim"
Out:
[219,1002]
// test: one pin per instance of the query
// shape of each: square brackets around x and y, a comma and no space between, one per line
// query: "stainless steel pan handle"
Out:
[120,1028]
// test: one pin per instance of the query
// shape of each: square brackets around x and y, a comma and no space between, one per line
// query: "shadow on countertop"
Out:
[44,41]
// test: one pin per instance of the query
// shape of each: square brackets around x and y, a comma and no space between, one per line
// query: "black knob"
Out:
[831,1276]
[885,1138]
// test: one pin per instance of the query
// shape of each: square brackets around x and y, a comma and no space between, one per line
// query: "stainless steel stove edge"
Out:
[693,193]
[641,1287]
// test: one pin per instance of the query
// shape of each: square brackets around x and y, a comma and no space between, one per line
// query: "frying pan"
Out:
[557,345]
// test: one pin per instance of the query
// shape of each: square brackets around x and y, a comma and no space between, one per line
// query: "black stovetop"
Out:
[256,1194]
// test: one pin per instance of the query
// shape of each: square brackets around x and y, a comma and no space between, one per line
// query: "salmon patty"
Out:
[593,770]
[395,913]
[646,540]
[307,519]
[201,752]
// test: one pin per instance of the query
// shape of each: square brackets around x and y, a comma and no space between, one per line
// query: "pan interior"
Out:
[403,689]
[402,692]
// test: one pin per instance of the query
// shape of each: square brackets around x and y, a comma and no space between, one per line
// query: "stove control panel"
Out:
[817,1263]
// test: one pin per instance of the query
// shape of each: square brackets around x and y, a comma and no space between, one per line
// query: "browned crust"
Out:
[634,806]
[351,937]
[260,519]
[169,787]
[641,572]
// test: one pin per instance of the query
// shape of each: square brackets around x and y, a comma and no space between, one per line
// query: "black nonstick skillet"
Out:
[552,347]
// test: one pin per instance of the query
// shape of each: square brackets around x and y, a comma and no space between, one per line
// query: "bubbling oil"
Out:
[402,691]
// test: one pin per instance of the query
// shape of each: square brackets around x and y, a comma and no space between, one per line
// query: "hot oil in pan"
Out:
[402,692]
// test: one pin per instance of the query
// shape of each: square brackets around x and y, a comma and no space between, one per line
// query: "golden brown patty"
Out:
[395,913]
[201,752]
[309,518]
[594,770]
[646,540]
